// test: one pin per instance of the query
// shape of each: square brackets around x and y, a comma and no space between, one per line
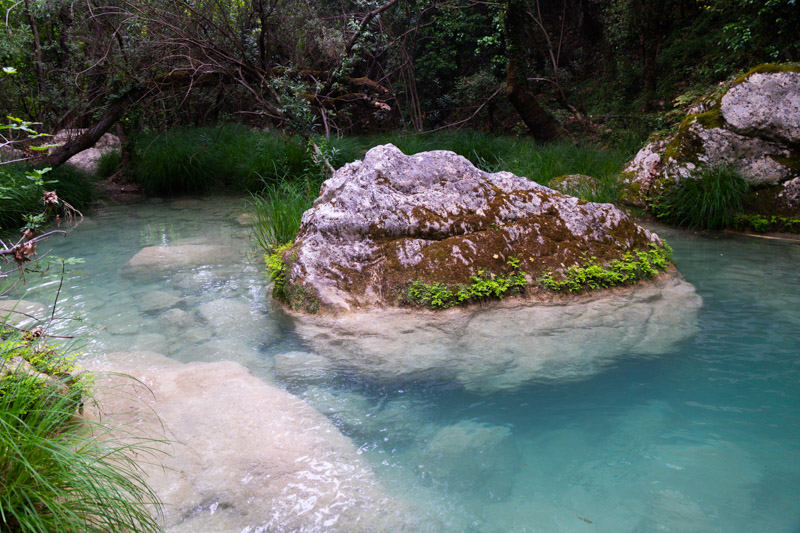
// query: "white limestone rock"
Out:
[243,455]
[765,105]
[391,219]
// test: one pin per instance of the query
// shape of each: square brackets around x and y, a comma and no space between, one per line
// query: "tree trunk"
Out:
[541,125]
[88,138]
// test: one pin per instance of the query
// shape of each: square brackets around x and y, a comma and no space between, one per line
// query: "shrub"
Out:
[18,197]
[707,201]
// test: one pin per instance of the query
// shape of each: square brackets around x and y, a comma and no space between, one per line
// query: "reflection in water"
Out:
[702,437]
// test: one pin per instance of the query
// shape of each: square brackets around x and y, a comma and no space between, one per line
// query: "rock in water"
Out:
[391,219]
[242,455]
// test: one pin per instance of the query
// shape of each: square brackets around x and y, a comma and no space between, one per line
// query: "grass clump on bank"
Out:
[708,201]
[591,275]
[203,160]
[59,471]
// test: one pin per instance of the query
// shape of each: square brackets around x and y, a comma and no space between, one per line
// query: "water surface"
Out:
[703,438]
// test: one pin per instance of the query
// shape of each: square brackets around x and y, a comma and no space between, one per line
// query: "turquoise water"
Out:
[704,438]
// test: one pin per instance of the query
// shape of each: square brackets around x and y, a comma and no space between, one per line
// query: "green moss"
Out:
[591,275]
[277,268]
[766,223]
[686,145]
[765,69]
[483,286]
[792,162]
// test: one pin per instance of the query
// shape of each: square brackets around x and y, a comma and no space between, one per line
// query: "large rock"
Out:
[505,345]
[382,223]
[754,127]
[88,160]
[243,455]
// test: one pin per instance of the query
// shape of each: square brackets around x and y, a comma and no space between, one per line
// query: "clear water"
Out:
[705,439]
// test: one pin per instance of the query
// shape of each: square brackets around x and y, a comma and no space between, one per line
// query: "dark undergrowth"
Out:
[19,197]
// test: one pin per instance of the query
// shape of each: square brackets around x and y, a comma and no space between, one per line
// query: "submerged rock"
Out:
[391,219]
[243,455]
[233,318]
[468,455]
[504,345]
[172,257]
[754,128]
[22,313]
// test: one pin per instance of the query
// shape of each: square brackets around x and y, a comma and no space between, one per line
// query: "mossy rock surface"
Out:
[754,127]
[384,223]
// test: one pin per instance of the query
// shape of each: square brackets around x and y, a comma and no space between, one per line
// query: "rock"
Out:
[152,301]
[223,350]
[243,455]
[22,313]
[89,159]
[171,257]
[302,367]
[9,153]
[754,127]
[790,194]
[175,319]
[347,410]
[380,224]
[469,455]
[246,219]
[765,104]
[528,341]
[574,184]
[233,318]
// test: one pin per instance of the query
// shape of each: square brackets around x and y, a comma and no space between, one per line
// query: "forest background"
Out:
[586,69]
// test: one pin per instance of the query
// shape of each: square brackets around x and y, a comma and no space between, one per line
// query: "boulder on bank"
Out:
[88,160]
[390,220]
[243,455]
[753,127]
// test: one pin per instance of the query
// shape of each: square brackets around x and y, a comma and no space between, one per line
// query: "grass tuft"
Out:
[61,472]
[709,201]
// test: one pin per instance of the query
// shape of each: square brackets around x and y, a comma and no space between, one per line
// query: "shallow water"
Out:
[703,438]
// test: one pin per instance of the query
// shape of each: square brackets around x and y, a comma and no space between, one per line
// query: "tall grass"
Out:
[58,471]
[709,201]
[237,157]
[18,200]
[109,163]
[278,210]
[206,159]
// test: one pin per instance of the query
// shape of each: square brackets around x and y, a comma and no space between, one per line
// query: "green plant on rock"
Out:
[591,275]
[277,269]
[708,200]
[766,223]
[483,286]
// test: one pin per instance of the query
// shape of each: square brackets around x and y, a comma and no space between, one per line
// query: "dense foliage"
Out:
[348,67]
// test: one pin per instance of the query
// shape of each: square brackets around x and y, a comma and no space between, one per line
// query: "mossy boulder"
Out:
[753,127]
[382,224]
